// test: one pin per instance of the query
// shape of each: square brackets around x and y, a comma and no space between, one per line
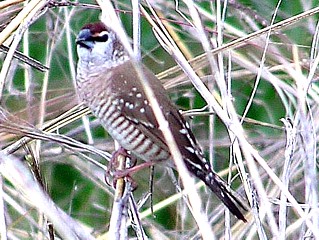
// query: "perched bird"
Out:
[109,85]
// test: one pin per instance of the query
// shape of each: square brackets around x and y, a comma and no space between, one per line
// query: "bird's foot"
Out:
[127,173]
[117,163]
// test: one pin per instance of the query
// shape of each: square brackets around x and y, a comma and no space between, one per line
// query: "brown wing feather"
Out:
[131,92]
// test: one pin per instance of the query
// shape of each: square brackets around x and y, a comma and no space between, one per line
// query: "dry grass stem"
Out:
[245,78]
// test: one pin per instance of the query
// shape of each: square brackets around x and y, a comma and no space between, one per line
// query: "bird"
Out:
[109,85]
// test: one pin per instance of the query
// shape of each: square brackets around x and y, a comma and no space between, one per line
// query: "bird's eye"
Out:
[102,37]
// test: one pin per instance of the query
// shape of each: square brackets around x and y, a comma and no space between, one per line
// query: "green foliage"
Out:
[78,186]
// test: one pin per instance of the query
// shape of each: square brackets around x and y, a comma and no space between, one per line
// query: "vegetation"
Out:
[243,72]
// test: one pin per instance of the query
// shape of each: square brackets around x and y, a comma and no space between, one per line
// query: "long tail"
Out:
[220,188]
[224,193]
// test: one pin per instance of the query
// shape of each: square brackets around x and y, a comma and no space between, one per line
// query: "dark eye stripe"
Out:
[102,38]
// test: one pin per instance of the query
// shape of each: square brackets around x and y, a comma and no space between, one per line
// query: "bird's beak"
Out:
[84,39]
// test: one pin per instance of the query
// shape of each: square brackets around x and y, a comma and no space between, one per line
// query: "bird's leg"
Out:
[113,165]
[118,172]
[132,170]
[128,172]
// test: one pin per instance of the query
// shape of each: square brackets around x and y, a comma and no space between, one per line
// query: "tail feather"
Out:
[221,190]
[224,193]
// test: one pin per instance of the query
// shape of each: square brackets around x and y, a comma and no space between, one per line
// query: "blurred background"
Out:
[267,77]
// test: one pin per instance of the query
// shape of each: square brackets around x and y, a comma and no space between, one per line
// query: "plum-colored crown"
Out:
[95,28]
